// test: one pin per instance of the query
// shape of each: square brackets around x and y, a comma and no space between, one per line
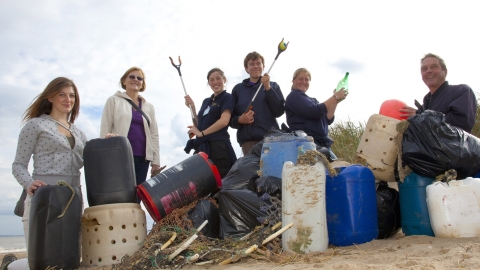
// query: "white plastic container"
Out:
[303,203]
[454,208]
[378,148]
[110,232]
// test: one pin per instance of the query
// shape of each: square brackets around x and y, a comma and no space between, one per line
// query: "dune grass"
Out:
[346,136]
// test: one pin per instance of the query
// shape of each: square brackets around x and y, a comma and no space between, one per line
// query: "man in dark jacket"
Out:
[457,102]
[268,104]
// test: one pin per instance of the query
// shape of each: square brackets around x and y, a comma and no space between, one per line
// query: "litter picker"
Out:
[185,90]
[282,46]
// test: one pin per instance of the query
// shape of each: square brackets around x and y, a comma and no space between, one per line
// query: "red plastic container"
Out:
[180,185]
[391,108]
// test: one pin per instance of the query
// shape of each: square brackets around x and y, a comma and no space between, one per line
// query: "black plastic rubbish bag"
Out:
[239,212]
[239,175]
[430,147]
[206,210]
[268,184]
[388,209]
[256,149]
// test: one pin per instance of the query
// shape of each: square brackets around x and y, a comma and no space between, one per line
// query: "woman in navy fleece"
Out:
[212,124]
[307,114]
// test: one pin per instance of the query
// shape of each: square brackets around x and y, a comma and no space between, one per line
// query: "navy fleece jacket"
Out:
[307,114]
[457,102]
[268,105]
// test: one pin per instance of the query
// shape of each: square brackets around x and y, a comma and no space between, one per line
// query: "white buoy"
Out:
[111,231]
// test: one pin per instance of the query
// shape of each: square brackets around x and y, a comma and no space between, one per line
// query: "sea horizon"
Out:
[12,243]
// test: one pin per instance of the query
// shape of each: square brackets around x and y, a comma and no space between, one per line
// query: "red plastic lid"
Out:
[391,108]
[214,169]
[148,202]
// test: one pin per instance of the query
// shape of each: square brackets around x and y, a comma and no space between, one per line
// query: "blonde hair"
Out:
[300,70]
[124,77]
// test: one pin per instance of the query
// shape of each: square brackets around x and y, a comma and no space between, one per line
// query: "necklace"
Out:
[61,124]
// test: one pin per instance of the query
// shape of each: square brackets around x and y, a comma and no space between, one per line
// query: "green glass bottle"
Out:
[343,83]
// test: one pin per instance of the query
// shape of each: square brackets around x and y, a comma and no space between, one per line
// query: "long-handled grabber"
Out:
[282,46]
[185,90]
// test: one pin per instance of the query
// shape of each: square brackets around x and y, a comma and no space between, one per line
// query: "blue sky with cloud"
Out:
[93,42]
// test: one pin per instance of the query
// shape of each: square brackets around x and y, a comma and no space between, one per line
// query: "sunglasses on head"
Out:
[133,77]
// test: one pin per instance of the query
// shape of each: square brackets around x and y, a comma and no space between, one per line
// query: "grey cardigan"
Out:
[53,158]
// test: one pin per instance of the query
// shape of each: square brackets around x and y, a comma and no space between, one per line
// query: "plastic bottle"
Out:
[343,83]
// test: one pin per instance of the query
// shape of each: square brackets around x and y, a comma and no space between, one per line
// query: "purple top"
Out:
[136,134]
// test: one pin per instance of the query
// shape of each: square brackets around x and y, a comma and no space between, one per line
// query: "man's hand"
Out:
[266,81]
[407,111]
[246,118]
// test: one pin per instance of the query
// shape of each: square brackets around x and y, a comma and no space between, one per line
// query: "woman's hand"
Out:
[194,130]
[155,170]
[340,95]
[109,135]
[34,186]
[189,102]
[266,81]
[246,118]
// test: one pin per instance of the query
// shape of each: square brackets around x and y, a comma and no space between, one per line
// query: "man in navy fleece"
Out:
[457,102]
[267,106]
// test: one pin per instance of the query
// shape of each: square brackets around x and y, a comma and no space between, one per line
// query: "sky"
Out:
[94,42]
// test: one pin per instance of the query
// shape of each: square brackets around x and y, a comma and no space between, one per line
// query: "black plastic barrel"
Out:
[55,241]
[180,185]
[109,171]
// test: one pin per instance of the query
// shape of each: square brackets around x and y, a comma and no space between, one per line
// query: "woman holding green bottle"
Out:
[307,114]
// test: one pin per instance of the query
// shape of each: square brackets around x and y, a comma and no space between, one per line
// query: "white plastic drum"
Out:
[303,203]
[110,232]
[454,208]
[378,148]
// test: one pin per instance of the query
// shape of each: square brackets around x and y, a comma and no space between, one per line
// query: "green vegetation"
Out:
[476,127]
[347,137]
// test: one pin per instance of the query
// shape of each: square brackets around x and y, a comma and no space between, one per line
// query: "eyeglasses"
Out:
[132,77]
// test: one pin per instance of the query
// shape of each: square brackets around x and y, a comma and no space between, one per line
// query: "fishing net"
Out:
[170,233]
[154,254]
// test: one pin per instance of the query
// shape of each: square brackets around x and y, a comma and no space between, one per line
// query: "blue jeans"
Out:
[141,169]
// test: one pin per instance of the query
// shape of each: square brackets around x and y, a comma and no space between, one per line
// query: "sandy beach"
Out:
[397,252]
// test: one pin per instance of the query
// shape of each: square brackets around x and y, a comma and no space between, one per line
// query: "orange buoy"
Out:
[391,108]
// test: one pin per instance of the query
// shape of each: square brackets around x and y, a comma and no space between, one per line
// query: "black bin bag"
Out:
[206,210]
[430,146]
[240,211]
[239,175]
[268,184]
[388,209]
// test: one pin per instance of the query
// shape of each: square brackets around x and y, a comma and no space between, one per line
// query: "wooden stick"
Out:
[192,258]
[246,252]
[187,243]
[276,226]
[203,263]
[268,239]
[170,241]
[201,226]
[182,247]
